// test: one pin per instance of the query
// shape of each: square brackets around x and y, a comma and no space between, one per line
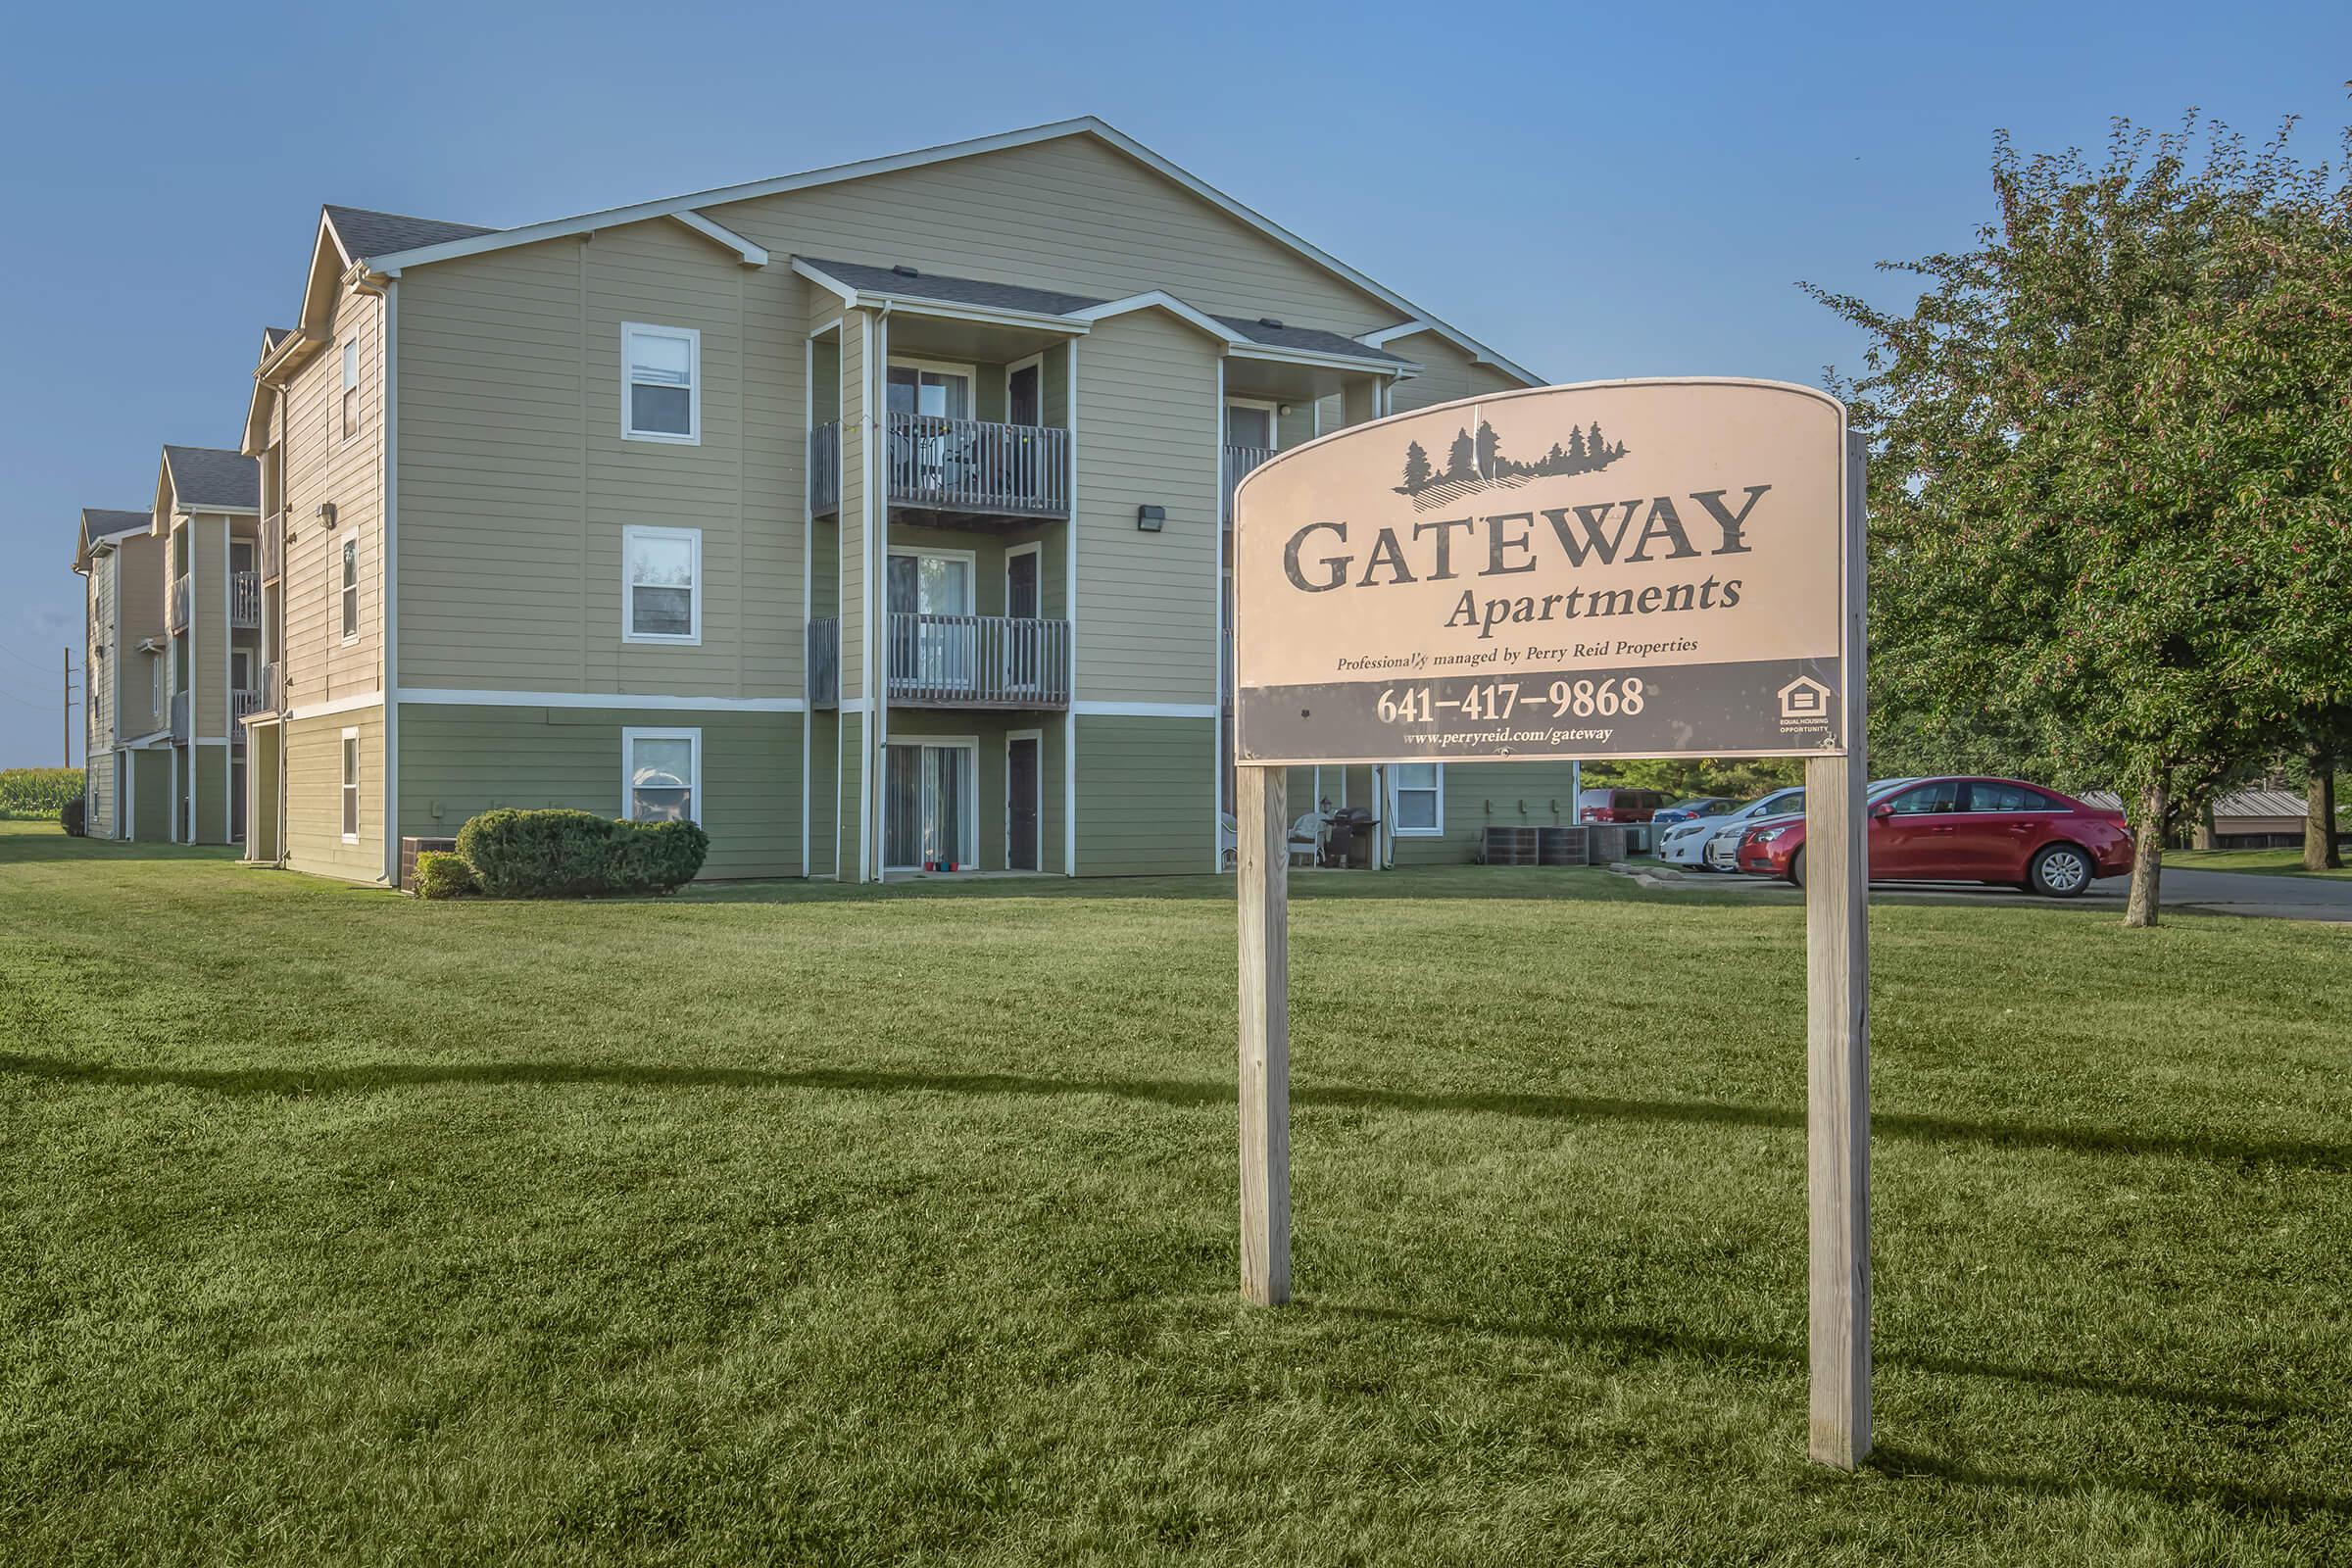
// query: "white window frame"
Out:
[692,636]
[630,735]
[693,337]
[1035,361]
[969,808]
[347,763]
[972,576]
[1273,411]
[347,592]
[971,383]
[1395,789]
[349,375]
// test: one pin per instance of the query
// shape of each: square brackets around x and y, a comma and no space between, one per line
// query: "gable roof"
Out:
[1271,333]
[209,479]
[99,522]
[359,232]
[394,249]
[907,283]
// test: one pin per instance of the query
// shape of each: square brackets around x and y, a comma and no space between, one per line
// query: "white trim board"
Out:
[334,705]
[1085,125]
[1113,709]
[465,697]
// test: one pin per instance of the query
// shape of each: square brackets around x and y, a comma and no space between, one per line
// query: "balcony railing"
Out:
[978,466]
[245,599]
[242,700]
[824,664]
[274,687]
[180,717]
[272,541]
[1239,461]
[175,611]
[978,661]
[824,468]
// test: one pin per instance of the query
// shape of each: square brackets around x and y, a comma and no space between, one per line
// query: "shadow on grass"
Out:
[2230,1497]
[1642,1339]
[296,1081]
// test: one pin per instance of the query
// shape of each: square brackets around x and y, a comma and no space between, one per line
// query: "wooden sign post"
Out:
[1514,605]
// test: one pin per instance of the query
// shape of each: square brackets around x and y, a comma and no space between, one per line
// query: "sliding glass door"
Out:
[931,799]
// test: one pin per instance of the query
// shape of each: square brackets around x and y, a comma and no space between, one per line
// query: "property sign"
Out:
[1630,568]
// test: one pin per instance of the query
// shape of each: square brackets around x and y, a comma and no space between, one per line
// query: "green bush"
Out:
[441,874]
[558,854]
[73,817]
[37,794]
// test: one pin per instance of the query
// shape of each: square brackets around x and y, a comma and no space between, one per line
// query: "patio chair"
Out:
[1306,838]
[1229,841]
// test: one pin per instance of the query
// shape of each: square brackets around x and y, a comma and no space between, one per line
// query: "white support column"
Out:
[1264,847]
[1836,877]
[1069,609]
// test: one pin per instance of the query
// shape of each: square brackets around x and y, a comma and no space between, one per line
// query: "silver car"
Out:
[1688,843]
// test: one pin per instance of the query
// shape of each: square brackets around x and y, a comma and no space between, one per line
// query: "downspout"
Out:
[877,378]
[389,600]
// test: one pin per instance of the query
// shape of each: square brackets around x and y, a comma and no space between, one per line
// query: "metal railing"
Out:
[180,715]
[1238,462]
[175,611]
[273,540]
[978,466]
[245,599]
[978,660]
[274,687]
[824,468]
[824,662]
[242,700]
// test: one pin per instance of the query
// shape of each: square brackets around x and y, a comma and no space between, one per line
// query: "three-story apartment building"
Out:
[875,517]
[125,745]
[207,517]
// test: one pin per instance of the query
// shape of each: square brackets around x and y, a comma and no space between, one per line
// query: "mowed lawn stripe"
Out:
[791,1223]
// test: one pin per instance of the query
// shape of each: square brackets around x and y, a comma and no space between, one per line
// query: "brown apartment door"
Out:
[1020,802]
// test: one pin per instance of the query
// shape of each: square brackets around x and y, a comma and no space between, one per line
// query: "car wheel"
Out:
[2060,871]
[1797,868]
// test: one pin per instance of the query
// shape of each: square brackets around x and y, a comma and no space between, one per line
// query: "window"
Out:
[348,590]
[350,401]
[661,570]
[936,391]
[662,383]
[662,774]
[1984,796]
[350,786]
[1928,800]
[1249,424]
[1418,797]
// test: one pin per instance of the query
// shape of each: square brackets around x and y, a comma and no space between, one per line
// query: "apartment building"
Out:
[207,516]
[126,744]
[876,517]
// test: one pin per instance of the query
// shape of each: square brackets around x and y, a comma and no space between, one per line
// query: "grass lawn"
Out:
[2269,862]
[810,1225]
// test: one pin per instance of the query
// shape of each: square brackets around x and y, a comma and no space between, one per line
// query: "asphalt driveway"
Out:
[2275,897]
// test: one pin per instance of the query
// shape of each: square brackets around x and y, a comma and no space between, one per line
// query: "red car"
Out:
[1618,805]
[1995,830]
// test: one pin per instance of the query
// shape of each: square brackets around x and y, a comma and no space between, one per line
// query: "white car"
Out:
[1686,843]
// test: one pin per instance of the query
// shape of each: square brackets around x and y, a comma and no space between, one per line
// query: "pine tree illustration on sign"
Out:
[1476,461]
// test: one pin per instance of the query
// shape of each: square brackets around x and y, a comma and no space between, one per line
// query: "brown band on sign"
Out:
[1645,569]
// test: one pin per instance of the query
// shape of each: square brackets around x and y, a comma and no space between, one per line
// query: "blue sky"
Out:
[1611,192]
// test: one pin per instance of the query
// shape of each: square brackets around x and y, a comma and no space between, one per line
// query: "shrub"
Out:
[73,817]
[37,794]
[441,874]
[558,854]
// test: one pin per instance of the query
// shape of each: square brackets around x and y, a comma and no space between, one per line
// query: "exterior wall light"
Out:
[1151,519]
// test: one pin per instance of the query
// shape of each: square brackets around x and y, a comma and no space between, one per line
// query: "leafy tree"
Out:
[2077,542]
[1416,467]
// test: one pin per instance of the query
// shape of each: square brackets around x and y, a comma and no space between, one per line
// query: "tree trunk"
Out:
[2319,852]
[2205,839]
[2147,856]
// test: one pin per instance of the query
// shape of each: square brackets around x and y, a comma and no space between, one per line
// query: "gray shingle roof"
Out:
[1309,339]
[951,290]
[273,336]
[99,522]
[207,476]
[366,233]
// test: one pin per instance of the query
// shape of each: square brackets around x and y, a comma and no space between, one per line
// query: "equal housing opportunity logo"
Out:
[1804,705]
[1477,462]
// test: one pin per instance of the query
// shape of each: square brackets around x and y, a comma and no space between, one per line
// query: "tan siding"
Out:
[1147,423]
[1070,214]
[854,537]
[139,615]
[1446,374]
[313,797]
[323,467]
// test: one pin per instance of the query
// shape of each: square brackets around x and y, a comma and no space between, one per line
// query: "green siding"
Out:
[1145,801]
[212,793]
[459,761]
[1483,794]
[824,793]
[850,811]
[150,795]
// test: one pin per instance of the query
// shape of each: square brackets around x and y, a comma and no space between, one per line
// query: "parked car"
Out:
[1618,805]
[1991,830]
[1686,843]
[1696,806]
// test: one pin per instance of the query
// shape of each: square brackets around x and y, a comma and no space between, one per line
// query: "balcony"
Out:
[180,714]
[245,600]
[176,609]
[1237,462]
[964,468]
[824,664]
[1005,662]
